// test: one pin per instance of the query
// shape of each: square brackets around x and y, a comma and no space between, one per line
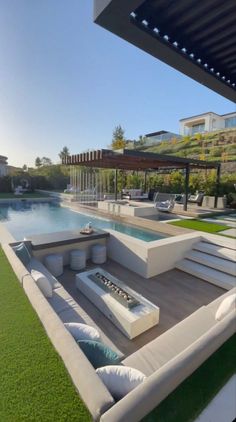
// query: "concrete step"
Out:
[223,241]
[216,250]
[211,275]
[212,261]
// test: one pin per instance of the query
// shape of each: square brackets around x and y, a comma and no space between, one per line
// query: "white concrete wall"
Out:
[165,255]
[212,122]
[149,258]
[128,251]
[133,211]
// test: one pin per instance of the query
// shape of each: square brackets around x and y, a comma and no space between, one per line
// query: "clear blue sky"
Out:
[66,81]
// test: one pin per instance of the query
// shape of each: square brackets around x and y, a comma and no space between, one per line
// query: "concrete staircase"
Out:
[212,262]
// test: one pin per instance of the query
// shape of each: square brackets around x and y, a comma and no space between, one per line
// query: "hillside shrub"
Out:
[5,184]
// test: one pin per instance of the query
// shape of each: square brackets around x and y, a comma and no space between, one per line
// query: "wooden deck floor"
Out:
[178,294]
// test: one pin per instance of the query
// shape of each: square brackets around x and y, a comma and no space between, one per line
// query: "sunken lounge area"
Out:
[176,293]
[142,352]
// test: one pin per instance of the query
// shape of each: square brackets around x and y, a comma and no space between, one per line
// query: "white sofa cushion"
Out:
[82,331]
[35,264]
[42,282]
[120,380]
[226,306]
[61,300]
[162,349]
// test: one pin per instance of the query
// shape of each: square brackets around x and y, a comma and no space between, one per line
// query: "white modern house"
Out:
[207,122]
[3,166]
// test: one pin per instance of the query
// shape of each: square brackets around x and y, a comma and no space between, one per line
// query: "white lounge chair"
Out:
[18,190]
[164,202]
[197,198]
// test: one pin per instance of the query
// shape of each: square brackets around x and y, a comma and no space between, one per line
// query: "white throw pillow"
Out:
[42,282]
[120,380]
[82,331]
[228,305]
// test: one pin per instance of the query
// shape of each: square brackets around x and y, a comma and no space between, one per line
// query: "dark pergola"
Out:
[142,161]
[198,38]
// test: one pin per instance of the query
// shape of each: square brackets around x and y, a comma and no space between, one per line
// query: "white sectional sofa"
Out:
[166,361]
[133,194]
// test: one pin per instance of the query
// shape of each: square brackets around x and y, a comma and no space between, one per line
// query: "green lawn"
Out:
[200,225]
[24,196]
[193,395]
[35,385]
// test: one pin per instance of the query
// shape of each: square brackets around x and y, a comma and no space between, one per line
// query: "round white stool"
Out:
[77,259]
[54,264]
[99,254]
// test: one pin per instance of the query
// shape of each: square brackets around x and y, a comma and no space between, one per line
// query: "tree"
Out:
[24,167]
[118,139]
[64,153]
[38,162]
[46,161]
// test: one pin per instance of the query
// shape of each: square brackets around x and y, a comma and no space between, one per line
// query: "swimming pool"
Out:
[25,218]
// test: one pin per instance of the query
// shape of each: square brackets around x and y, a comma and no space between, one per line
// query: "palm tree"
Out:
[64,153]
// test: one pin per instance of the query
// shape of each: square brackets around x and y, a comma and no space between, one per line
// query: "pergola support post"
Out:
[217,185]
[187,171]
[116,184]
[145,181]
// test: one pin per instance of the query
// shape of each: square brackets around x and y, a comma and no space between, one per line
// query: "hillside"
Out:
[215,146]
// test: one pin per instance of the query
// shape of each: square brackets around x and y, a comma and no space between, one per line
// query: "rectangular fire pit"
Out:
[128,310]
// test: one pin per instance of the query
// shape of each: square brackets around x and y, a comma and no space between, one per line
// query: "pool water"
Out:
[25,218]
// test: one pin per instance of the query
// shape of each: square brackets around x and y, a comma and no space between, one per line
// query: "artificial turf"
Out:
[194,394]
[200,225]
[35,385]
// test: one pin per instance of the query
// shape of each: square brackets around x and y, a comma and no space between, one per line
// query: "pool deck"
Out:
[178,294]
[140,222]
[152,222]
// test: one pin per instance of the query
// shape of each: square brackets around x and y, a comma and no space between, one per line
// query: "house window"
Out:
[230,122]
[198,128]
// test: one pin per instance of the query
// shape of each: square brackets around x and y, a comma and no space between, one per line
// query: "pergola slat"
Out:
[131,159]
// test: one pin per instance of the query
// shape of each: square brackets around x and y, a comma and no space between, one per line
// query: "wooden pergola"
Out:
[142,161]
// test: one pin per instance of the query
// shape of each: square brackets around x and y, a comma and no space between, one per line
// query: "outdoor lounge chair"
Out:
[197,198]
[18,190]
[164,202]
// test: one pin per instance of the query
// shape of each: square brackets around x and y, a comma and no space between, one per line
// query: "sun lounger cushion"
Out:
[82,331]
[22,253]
[228,305]
[42,282]
[120,380]
[98,353]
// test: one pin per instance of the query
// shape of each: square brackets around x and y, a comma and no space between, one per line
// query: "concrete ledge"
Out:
[51,240]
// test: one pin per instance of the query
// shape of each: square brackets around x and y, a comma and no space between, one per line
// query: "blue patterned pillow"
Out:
[22,252]
[98,353]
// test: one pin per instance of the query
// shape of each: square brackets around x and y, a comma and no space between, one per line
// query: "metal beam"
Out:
[115,182]
[217,185]
[115,16]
